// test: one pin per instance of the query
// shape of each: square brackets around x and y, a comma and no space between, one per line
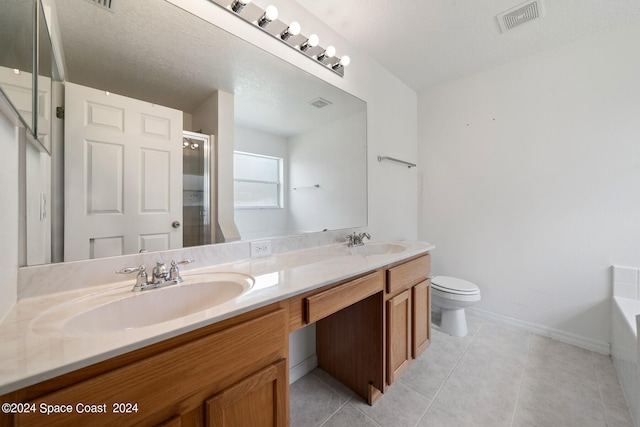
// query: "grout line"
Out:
[332,414]
[524,371]
[595,368]
[435,396]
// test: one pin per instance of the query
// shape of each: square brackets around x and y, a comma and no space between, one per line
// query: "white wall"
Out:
[8,215]
[38,206]
[257,223]
[531,181]
[320,157]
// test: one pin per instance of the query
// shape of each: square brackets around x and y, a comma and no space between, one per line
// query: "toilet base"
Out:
[454,322]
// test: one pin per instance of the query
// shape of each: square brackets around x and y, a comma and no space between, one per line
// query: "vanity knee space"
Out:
[369,329]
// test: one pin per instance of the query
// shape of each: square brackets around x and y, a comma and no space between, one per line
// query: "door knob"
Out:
[175,224]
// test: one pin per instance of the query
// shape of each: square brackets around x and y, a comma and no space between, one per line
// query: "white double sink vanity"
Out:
[213,350]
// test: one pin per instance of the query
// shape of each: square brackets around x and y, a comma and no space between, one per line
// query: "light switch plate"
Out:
[261,248]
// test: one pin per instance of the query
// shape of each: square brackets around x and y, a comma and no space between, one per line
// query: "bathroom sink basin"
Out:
[126,310]
[369,249]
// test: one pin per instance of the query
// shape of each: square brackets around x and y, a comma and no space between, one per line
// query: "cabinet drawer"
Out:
[335,299]
[406,275]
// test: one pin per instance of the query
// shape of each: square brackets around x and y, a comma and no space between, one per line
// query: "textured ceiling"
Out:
[428,42]
[154,51]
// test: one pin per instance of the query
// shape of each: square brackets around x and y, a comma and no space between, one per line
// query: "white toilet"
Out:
[451,295]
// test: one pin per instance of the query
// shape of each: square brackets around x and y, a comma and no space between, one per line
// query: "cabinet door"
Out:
[398,335]
[259,400]
[421,317]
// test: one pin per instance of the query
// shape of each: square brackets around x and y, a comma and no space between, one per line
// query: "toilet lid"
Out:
[453,285]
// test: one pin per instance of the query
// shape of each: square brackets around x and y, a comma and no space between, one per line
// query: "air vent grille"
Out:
[104,4]
[518,15]
[320,103]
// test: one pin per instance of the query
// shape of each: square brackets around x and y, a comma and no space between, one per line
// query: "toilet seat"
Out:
[453,285]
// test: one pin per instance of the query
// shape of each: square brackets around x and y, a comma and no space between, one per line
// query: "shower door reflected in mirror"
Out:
[196,189]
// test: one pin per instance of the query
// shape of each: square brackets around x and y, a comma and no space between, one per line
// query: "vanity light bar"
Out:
[289,34]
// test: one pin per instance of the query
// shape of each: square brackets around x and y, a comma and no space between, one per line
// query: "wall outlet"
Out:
[260,248]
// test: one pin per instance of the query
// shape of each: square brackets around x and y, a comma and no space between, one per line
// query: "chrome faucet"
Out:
[160,276]
[357,239]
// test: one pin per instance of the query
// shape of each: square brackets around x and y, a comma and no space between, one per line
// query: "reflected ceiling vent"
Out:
[520,14]
[320,103]
[104,4]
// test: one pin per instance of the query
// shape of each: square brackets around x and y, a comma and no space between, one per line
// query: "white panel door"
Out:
[123,175]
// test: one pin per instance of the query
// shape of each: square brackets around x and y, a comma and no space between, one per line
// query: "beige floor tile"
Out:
[426,375]
[334,384]
[398,407]
[351,417]
[437,416]
[495,376]
[479,396]
[610,389]
[312,402]
[506,339]
[617,416]
[534,415]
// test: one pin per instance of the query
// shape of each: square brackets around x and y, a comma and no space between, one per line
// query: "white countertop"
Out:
[30,353]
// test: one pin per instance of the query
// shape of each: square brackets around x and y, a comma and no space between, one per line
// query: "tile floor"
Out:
[495,376]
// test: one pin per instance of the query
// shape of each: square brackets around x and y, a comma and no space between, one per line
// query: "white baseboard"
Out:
[556,334]
[303,368]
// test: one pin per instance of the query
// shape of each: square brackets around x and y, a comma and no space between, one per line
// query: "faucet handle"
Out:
[142,279]
[174,273]
[128,270]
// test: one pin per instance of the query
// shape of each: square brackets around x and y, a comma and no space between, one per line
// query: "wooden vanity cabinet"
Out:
[399,320]
[408,314]
[230,373]
[349,320]
[257,401]
[421,322]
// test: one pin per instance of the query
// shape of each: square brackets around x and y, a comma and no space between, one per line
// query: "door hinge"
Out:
[60,112]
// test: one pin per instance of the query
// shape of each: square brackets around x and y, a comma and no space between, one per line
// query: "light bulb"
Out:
[292,30]
[328,53]
[344,61]
[269,15]
[312,41]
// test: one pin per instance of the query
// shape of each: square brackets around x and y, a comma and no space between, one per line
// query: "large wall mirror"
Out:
[161,107]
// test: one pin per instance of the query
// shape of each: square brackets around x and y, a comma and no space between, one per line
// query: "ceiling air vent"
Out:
[320,103]
[104,4]
[518,15]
